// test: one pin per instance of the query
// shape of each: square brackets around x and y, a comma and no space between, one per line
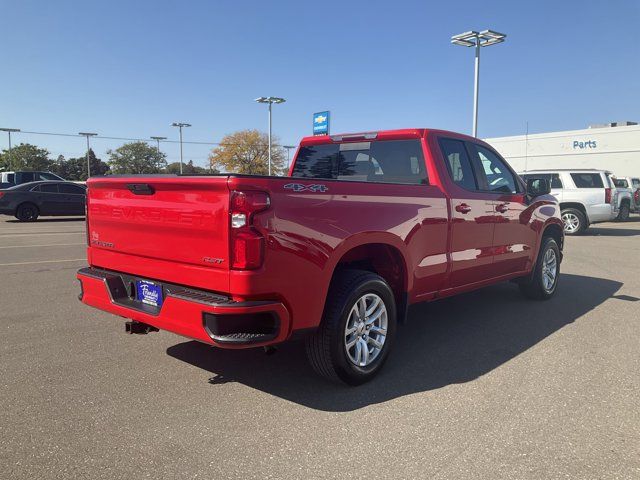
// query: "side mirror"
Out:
[538,186]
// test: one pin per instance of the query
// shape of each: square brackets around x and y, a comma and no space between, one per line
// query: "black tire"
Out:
[623,214]
[574,215]
[27,212]
[326,348]
[533,286]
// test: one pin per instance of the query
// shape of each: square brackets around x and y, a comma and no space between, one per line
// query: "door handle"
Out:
[502,208]
[463,208]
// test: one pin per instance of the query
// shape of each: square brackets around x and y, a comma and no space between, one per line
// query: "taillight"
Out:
[1,194]
[247,243]
[636,196]
[607,195]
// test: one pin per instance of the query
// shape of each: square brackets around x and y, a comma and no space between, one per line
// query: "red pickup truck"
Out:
[364,226]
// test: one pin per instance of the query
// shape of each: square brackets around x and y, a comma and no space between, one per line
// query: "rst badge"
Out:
[300,187]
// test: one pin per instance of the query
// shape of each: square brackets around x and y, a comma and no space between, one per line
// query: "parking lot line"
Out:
[42,261]
[46,245]
[39,234]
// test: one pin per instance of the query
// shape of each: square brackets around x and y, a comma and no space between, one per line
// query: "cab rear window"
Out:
[392,161]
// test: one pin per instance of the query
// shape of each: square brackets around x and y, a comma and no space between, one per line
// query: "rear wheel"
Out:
[357,329]
[623,214]
[542,284]
[574,221]
[27,212]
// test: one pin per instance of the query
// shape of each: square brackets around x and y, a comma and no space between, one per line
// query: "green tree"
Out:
[188,168]
[136,157]
[26,157]
[76,168]
[247,151]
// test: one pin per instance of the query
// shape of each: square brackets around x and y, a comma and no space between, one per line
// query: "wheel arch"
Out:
[577,206]
[555,231]
[383,255]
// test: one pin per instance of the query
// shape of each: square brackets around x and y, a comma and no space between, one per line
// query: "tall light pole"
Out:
[180,126]
[9,131]
[485,38]
[157,139]
[288,147]
[270,101]
[88,134]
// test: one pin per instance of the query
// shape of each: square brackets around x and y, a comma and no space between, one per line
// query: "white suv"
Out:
[585,196]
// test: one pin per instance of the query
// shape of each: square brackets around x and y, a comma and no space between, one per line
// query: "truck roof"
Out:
[398,134]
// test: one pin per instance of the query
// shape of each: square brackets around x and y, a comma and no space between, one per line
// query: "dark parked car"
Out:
[28,201]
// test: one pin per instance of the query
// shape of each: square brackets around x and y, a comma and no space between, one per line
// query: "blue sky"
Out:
[130,68]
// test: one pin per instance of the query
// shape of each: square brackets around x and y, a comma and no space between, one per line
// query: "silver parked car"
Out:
[586,196]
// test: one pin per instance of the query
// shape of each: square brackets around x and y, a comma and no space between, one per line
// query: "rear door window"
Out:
[458,163]
[73,189]
[26,177]
[49,187]
[587,180]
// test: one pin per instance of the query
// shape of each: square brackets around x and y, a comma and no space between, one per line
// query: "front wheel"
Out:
[544,281]
[357,329]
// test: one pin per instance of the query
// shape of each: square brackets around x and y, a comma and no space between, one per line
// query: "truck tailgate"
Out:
[161,224]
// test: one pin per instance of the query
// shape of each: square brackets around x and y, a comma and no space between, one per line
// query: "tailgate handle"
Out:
[141,188]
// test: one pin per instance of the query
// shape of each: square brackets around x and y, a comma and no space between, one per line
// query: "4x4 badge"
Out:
[300,187]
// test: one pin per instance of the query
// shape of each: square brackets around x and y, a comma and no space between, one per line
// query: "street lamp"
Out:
[288,147]
[486,38]
[157,139]
[180,126]
[9,131]
[270,101]
[88,134]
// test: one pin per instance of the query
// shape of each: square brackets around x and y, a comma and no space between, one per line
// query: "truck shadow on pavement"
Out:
[451,341]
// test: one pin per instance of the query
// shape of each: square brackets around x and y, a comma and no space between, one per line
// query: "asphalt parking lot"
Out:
[487,385]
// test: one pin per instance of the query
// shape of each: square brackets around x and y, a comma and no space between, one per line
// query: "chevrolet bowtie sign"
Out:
[321,123]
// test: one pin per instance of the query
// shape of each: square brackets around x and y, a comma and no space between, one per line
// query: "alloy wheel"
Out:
[366,330]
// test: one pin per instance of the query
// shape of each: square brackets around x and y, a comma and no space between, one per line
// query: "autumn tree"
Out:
[136,157]
[247,151]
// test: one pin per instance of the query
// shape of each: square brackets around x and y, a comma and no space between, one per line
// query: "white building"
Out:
[614,147]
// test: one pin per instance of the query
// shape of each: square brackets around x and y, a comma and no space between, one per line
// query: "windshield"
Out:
[620,183]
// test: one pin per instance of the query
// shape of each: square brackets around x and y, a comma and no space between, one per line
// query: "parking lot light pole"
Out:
[270,101]
[485,38]
[180,126]
[288,147]
[157,139]
[88,134]
[9,131]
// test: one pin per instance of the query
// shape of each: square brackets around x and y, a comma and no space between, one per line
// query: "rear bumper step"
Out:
[205,316]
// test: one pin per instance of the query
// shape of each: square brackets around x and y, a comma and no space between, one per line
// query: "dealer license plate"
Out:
[149,293]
